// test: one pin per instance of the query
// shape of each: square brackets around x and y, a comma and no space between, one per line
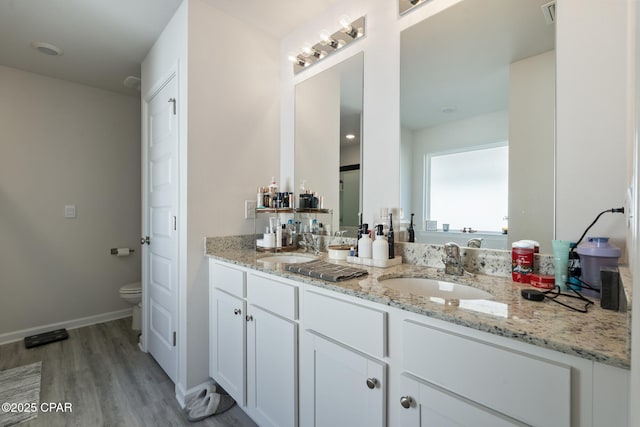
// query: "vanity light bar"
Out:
[405,6]
[348,33]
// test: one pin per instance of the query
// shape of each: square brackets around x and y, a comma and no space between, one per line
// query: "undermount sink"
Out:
[286,259]
[434,288]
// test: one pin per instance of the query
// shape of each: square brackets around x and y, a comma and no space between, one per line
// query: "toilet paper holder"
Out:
[114,251]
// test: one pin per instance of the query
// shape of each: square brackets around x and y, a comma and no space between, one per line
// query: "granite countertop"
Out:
[599,335]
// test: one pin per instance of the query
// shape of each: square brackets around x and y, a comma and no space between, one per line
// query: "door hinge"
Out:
[173,100]
[175,222]
[174,338]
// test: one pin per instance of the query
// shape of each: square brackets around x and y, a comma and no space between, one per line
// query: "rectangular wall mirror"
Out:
[328,140]
[477,113]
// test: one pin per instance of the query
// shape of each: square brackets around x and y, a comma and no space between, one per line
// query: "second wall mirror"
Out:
[478,122]
[328,140]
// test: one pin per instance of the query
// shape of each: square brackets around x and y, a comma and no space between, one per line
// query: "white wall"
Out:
[228,147]
[233,146]
[592,102]
[349,155]
[64,143]
[532,98]
[407,183]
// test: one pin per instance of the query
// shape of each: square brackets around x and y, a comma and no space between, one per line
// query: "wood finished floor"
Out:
[108,380]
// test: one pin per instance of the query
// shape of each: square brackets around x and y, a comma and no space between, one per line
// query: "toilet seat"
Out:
[131,288]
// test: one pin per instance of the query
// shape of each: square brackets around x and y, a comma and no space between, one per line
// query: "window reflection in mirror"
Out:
[328,123]
[474,179]
[478,73]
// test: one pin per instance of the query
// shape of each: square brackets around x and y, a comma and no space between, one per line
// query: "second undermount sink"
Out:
[286,259]
[434,288]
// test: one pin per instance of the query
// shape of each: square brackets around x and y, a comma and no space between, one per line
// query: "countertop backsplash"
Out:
[492,262]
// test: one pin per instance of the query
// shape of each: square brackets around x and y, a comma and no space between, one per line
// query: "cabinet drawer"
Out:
[355,325]
[277,297]
[430,405]
[229,279]
[529,389]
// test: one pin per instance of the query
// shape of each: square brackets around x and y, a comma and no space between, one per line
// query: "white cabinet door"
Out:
[346,388]
[227,347]
[424,405]
[272,368]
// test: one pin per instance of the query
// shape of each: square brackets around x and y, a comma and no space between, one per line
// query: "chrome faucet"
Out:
[310,242]
[452,260]
[476,242]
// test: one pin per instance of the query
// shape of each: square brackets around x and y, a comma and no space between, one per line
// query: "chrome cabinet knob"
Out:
[372,383]
[237,311]
[249,318]
[406,401]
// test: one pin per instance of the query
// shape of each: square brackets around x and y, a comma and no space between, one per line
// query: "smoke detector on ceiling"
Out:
[549,12]
[132,82]
[46,48]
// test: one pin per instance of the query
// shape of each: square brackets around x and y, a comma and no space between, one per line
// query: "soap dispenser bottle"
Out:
[365,243]
[273,189]
[412,232]
[380,245]
[391,253]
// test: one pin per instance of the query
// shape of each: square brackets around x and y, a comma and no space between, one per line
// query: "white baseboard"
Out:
[69,324]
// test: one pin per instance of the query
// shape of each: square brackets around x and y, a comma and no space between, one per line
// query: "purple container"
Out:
[595,254]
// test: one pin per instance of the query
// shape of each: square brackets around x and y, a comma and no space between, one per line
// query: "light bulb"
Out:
[297,60]
[325,38]
[345,22]
[306,51]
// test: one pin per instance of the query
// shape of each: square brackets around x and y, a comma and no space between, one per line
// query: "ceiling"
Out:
[104,41]
[458,60]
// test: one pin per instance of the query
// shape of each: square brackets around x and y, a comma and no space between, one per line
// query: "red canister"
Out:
[543,281]
[522,261]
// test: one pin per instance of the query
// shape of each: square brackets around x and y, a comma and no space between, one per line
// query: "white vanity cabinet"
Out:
[472,378]
[272,351]
[292,353]
[343,380]
[458,376]
[254,342]
[341,386]
[426,405]
[227,307]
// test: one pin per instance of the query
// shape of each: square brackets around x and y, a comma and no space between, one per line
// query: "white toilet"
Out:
[132,293]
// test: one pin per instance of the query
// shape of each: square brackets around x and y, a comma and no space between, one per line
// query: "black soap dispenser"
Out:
[390,238]
[360,231]
[412,232]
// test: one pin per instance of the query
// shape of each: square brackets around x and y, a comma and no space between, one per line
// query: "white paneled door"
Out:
[161,255]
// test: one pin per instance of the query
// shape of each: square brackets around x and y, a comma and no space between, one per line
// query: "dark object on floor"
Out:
[46,338]
[208,403]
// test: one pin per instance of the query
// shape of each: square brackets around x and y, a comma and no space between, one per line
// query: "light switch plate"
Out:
[250,209]
[69,211]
